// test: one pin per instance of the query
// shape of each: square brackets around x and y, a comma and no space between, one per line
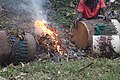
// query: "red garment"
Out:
[87,13]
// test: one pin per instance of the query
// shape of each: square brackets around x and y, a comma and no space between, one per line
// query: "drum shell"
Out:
[5,47]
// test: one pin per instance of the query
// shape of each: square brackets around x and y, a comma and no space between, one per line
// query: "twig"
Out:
[85,67]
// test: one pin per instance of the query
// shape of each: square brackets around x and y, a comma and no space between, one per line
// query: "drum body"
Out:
[15,50]
[5,47]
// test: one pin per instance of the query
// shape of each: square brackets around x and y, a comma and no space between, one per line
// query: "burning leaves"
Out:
[49,34]
[53,43]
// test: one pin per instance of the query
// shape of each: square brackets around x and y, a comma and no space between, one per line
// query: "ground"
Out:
[85,69]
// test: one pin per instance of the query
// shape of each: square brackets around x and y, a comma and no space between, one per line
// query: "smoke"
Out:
[38,9]
[27,11]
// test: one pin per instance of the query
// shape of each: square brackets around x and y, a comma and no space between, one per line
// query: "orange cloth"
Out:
[87,13]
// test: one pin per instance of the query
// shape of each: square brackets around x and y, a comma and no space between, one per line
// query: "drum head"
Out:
[81,35]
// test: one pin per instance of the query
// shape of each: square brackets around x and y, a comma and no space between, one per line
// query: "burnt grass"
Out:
[85,69]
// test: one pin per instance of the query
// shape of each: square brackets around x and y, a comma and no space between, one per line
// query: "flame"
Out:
[42,25]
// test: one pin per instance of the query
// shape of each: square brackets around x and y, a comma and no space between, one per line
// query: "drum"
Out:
[83,31]
[13,49]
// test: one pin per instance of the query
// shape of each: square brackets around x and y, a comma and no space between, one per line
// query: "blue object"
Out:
[21,48]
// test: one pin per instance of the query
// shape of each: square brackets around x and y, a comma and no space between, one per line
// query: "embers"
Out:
[47,48]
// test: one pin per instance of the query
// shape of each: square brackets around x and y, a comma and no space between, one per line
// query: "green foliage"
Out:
[7,73]
[65,14]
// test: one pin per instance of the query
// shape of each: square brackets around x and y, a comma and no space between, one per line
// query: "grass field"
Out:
[87,69]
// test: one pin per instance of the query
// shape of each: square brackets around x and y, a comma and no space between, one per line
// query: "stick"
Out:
[85,67]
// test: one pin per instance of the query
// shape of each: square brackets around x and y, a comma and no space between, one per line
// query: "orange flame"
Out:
[42,25]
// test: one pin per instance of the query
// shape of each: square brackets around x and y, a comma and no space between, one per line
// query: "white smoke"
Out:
[37,8]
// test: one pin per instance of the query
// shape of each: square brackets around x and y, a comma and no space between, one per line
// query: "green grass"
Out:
[101,69]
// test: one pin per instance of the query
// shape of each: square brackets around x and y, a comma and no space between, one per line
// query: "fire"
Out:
[43,25]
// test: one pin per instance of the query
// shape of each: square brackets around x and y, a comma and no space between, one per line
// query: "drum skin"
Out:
[31,46]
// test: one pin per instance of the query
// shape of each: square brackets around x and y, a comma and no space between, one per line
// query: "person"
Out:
[90,9]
